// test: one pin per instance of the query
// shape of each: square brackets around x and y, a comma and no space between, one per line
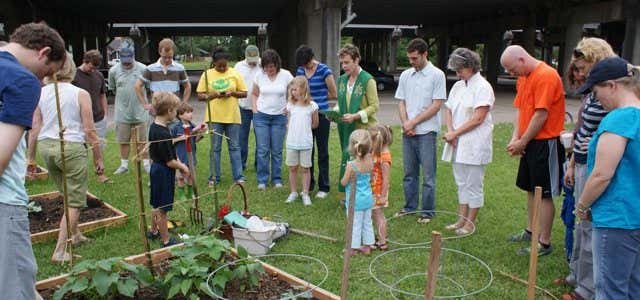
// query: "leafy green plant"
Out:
[247,271]
[106,277]
[188,273]
[33,207]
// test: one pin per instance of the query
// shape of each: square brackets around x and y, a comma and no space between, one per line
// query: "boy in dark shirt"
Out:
[165,162]
[185,116]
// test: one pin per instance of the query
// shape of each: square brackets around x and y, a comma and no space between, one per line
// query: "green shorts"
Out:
[76,164]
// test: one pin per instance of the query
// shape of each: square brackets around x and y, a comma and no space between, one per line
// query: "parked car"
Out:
[384,81]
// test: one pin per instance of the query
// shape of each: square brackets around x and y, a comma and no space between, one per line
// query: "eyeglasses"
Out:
[577,53]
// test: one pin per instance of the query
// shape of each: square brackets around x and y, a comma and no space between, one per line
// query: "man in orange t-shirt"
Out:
[537,126]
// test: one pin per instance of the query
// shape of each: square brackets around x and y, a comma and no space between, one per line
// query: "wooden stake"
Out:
[143,216]
[216,222]
[313,234]
[344,289]
[434,264]
[516,279]
[65,188]
[535,231]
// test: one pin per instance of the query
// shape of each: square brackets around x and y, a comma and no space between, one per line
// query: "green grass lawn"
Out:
[503,214]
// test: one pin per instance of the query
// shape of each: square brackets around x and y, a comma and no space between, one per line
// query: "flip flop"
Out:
[66,258]
[453,226]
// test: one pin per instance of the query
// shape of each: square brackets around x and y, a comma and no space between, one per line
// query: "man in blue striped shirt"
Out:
[322,87]
[165,75]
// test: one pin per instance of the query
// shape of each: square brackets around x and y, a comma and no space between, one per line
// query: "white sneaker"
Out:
[277,185]
[322,195]
[262,187]
[121,170]
[306,200]
[292,197]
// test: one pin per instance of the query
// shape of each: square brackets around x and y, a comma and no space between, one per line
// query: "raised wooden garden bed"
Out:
[160,255]
[44,225]
[40,173]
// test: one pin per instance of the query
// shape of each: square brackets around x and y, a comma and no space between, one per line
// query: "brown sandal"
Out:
[561,282]
[572,296]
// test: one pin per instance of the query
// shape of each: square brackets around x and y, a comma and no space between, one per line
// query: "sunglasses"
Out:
[577,53]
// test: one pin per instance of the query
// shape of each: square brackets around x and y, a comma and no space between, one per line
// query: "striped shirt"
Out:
[592,114]
[317,85]
[159,80]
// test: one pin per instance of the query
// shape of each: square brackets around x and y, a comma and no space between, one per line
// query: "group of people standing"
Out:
[602,168]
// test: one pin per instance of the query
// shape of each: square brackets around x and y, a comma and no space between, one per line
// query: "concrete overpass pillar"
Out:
[394,41]
[573,34]
[493,50]
[631,44]
[444,43]
[332,18]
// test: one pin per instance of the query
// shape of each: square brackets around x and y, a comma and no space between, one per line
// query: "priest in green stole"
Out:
[357,100]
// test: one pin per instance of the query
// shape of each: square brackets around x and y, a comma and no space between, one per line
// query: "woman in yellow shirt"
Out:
[221,86]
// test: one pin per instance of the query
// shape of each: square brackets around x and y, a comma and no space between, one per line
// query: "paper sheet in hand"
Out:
[331,114]
[447,152]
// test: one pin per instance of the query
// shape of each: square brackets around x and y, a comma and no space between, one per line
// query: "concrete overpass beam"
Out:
[631,44]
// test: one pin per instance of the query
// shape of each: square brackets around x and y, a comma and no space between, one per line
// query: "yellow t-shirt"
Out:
[223,110]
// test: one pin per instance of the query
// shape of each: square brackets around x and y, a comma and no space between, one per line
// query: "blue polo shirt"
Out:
[19,96]
[317,85]
[619,204]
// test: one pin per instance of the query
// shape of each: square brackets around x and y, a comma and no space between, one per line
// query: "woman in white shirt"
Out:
[469,135]
[79,130]
[269,99]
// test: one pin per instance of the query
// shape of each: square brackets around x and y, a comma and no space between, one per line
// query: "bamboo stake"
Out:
[215,183]
[313,234]
[344,289]
[533,258]
[143,216]
[516,279]
[65,188]
[432,268]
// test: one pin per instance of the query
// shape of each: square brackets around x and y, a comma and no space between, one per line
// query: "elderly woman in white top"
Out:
[77,119]
[469,135]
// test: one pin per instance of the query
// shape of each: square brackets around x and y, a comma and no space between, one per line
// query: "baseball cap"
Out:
[252,54]
[126,55]
[606,69]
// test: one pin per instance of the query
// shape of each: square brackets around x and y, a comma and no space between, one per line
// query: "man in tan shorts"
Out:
[129,111]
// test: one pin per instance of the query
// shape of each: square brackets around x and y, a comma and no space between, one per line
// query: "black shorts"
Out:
[541,165]
[162,185]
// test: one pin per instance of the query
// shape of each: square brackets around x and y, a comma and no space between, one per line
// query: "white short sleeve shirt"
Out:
[299,135]
[273,93]
[419,89]
[248,74]
[475,146]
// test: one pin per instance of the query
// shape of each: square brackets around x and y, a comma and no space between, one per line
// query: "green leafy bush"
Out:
[106,277]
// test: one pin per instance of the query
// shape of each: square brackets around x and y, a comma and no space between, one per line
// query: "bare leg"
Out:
[59,252]
[547,212]
[155,215]
[381,224]
[471,219]
[306,180]
[462,213]
[293,178]
[124,151]
[162,226]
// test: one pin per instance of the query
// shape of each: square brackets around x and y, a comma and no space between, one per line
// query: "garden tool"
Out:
[210,121]
[195,214]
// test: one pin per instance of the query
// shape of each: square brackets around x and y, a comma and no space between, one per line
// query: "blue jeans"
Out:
[321,137]
[270,132]
[245,129]
[616,263]
[231,131]
[419,151]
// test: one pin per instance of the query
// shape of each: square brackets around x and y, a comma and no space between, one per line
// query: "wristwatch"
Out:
[581,209]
